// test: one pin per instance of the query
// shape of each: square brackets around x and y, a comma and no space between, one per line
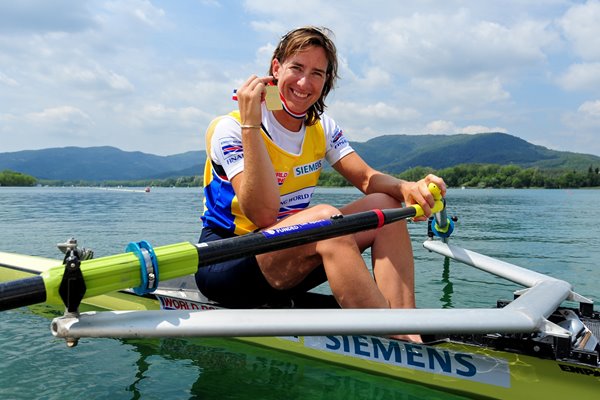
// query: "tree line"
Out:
[492,176]
[467,175]
[12,178]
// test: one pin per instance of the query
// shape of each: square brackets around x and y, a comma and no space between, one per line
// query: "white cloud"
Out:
[148,18]
[95,76]
[264,55]
[124,71]
[5,118]
[58,114]
[274,27]
[590,109]
[65,121]
[458,44]
[142,11]
[161,115]
[476,90]
[375,78]
[449,127]
[6,80]
[581,128]
[440,126]
[581,27]
[363,121]
[379,111]
[472,129]
[584,76]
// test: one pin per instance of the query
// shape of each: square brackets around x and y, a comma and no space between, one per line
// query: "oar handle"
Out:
[441,226]
[437,196]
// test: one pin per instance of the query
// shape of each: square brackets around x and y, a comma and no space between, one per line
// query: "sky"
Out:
[149,76]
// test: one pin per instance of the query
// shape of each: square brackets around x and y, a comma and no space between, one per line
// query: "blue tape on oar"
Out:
[148,266]
[445,232]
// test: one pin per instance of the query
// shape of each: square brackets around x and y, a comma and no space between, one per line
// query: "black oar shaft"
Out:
[264,242]
[32,290]
[22,292]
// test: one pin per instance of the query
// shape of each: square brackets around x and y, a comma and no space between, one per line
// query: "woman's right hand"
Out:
[250,96]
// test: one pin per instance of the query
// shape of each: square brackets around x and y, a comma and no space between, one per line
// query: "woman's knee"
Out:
[337,247]
[324,211]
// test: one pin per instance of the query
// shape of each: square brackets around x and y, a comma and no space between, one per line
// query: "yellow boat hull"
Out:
[455,367]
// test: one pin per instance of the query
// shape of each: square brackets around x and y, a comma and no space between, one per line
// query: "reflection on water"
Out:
[448,288]
[228,369]
[35,365]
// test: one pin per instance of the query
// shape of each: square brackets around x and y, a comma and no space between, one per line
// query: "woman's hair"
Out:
[300,39]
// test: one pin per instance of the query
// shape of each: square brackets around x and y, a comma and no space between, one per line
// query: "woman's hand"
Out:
[250,95]
[418,193]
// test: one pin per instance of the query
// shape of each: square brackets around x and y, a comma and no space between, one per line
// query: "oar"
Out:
[140,268]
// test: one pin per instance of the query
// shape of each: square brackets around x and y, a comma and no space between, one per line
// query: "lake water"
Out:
[556,232]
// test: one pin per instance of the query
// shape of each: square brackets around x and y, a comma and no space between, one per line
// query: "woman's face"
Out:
[301,78]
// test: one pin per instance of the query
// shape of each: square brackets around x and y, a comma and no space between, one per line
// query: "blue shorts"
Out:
[240,283]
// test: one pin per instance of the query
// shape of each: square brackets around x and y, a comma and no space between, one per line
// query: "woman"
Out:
[261,170]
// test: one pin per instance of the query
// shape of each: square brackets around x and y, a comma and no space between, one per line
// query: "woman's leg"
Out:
[350,281]
[391,252]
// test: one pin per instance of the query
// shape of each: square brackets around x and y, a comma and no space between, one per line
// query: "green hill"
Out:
[98,163]
[390,153]
[397,153]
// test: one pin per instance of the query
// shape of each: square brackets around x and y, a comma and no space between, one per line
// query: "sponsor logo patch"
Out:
[170,303]
[308,168]
[296,201]
[338,138]
[286,230]
[232,150]
[281,177]
[469,366]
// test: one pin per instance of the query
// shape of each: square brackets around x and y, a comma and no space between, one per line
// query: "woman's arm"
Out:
[369,180]
[256,187]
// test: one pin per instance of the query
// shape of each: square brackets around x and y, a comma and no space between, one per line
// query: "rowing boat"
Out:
[528,347]
[495,365]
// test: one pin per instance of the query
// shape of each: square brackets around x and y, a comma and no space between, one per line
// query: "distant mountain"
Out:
[390,153]
[100,163]
[397,153]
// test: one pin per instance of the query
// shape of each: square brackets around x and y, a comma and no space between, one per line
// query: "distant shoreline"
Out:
[464,175]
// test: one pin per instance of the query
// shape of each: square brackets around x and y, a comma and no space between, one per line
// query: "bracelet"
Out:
[250,126]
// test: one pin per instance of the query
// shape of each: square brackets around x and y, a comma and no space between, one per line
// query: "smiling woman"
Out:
[321,76]
[262,167]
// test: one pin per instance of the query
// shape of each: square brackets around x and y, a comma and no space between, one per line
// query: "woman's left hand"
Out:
[418,193]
